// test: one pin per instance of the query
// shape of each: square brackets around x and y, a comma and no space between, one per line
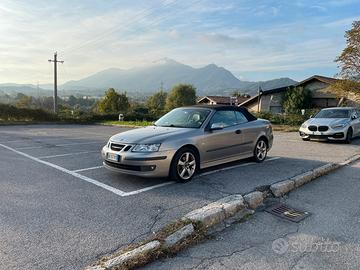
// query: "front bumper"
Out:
[152,164]
[331,134]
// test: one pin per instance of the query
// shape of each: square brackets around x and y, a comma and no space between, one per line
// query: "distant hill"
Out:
[210,79]
[27,89]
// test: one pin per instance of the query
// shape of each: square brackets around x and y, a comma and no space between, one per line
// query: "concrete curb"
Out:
[198,223]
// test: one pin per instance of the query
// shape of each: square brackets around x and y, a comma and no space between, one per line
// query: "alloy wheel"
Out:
[261,150]
[186,166]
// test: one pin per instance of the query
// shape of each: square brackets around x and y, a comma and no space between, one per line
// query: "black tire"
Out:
[260,150]
[184,173]
[306,139]
[349,136]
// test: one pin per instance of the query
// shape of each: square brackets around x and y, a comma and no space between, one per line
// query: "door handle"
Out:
[238,131]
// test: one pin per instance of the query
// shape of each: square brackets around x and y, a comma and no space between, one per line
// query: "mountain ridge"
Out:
[210,79]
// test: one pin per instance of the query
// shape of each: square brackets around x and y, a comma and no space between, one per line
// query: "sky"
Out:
[255,40]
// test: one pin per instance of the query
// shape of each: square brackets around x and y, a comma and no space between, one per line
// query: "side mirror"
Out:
[311,116]
[353,117]
[216,126]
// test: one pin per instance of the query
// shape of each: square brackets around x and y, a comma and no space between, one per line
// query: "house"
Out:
[271,100]
[223,100]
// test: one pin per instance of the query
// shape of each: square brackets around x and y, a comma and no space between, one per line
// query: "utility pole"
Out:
[55,61]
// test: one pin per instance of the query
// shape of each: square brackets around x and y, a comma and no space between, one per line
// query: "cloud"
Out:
[346,22]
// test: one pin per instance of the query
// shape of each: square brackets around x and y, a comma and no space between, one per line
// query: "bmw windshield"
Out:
[338,113]
[184,118]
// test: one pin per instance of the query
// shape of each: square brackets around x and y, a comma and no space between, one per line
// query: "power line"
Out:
[55,61]
[140,16]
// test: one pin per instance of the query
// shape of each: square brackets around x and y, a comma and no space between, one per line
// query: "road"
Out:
[61,209]
[328,239]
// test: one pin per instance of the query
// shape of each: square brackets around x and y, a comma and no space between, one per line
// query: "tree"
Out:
[156,103]
[349,62]
[113,102]
[295,99]
[24,101]
[236,93]
[349,59]
[181,95]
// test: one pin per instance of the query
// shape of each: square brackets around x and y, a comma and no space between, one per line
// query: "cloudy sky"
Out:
[256,40]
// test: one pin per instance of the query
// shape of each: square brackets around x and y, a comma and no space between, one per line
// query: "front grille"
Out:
[323,128]
[312,128]
[116,147]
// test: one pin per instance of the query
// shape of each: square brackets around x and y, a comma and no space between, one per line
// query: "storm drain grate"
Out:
[283,211]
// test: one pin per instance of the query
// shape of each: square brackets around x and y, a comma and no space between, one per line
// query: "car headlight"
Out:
[146,147]
[304,125]
[338,126]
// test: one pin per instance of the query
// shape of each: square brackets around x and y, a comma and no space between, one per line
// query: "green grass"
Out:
[128,123]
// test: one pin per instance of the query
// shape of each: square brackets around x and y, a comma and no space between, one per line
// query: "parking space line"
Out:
[234,167]
[75,174]
[148,188]
[56,145]
[69,154]
[88,169]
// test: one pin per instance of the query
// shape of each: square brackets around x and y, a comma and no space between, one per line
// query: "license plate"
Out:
[113,157]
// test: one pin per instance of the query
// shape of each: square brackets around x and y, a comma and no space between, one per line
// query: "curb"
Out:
[203,221]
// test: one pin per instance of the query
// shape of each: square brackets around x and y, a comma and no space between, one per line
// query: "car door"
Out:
[248,133]
[225,142]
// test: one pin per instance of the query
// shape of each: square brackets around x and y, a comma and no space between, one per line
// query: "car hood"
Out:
[327,121]
[151,134]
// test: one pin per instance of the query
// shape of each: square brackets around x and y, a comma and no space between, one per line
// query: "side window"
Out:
[240,118]
[225,118]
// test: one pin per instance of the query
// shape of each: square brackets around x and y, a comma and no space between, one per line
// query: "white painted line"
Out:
[70,144]
[148,188]
[235,166]
[88,179]
[69,154]
[75,174]
[30,147]
[56,145]
[88,169]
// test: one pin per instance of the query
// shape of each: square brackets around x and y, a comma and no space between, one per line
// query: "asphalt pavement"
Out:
[328,239]
[60,209]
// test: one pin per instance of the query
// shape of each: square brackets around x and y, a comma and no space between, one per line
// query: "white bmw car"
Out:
[339,123]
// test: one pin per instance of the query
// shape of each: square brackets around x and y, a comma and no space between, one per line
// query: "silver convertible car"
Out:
[188,139]
[339,123]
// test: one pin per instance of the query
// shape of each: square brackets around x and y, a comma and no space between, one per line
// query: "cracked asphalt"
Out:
[50,219]
[328,239]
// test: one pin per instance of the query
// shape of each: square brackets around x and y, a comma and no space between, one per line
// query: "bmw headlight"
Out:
[304,125]
[146,147]
[338,126]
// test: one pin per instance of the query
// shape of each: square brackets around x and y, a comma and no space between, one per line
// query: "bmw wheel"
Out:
[184,165]
[349,135]
[260,151]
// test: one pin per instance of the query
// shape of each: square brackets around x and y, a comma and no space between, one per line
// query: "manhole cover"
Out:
[287,212]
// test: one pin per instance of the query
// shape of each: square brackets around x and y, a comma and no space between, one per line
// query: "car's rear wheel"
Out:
[349,135]
[260,151]
[184,165]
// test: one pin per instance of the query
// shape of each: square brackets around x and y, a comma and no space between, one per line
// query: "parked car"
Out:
[339,123]
[188,139]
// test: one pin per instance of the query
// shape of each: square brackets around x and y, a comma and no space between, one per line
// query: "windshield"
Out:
[183,118]
[333,114]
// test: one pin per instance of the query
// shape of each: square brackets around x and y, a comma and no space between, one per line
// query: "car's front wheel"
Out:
[260,151]
[184,165]
[349,136]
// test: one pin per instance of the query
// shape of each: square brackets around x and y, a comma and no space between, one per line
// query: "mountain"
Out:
[210,79]
[27,89]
